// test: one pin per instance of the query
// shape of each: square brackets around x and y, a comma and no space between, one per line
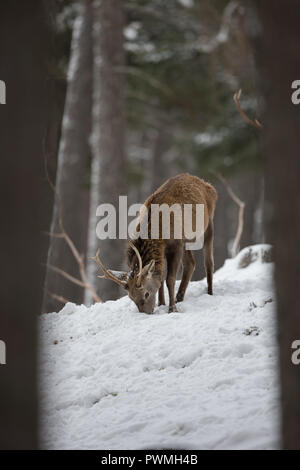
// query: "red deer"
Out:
[146,257]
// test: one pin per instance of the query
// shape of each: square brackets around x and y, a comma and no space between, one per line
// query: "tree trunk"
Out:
[25,212]
[72,164]
[278,57]
[108,166]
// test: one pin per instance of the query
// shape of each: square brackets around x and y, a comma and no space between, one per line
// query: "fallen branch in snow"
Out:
[241,205]
[255,123]
[83,282]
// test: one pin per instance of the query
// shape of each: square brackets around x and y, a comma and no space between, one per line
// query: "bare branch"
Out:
[241,205]
[60,298]
[54,235]
[66,275]
[255,123]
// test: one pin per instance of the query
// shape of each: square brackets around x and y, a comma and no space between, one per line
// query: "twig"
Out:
[241,205]
[255,123]
[60,298]
[66,275]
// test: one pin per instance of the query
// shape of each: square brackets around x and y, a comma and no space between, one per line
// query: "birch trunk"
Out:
[72,164]
[108,164]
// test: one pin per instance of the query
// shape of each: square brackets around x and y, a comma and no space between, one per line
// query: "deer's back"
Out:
[185,189]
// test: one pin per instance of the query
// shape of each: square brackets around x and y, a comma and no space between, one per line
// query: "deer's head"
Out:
[140,283]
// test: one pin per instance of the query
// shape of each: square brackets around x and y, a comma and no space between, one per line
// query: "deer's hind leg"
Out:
[209,256]
[188,269]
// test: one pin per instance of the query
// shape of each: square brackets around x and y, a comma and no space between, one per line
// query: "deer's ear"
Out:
[148,270]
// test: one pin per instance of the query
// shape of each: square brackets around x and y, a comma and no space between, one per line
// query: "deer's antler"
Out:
[107,274]
[139,274]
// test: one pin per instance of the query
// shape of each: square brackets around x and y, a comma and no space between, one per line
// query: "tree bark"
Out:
[72,165]
[278,58]
[25,211]
[108,179]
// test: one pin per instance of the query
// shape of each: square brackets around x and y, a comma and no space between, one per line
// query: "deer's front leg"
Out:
[161,295]
[171,289]
[173,259]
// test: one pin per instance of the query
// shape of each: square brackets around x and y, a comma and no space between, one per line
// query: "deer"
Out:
[146,256]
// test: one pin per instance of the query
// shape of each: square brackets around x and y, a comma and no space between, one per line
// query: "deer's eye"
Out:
[147,295]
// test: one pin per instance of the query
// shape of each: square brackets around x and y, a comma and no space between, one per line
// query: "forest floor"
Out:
[202,378]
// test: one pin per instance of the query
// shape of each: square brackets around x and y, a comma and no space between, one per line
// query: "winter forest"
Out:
[146,98]
[117,97]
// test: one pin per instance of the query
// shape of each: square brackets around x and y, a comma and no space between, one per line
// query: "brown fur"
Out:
[181,189]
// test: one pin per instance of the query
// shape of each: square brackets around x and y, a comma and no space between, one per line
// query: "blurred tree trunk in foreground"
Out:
[108,166]
[25,211]
[278,57]
[72,165]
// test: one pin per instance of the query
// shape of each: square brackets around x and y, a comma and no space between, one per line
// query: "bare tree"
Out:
[108,179]
[72,164]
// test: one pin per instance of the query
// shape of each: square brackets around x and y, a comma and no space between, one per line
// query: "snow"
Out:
[202,378]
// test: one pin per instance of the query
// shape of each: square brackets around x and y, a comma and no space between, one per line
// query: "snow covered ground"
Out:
[202,378]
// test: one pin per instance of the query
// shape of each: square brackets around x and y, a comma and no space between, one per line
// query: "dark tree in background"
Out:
[25,208]
[72,168]
[108,173]
[278,58]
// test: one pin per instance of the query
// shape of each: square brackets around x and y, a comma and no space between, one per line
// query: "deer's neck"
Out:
[149,250]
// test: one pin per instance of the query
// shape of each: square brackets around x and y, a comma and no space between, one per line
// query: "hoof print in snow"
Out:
[247,259]
[267,255]
[250,255]
[261,304]
[252,306]
[251,331]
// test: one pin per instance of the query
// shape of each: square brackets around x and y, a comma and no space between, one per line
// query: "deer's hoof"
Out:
[172,308]
[179,297]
